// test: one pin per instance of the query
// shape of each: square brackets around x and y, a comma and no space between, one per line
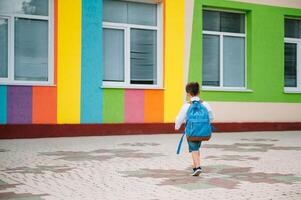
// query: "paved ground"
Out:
[236,166]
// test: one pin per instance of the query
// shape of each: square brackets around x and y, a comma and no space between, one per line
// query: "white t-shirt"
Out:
[181,118]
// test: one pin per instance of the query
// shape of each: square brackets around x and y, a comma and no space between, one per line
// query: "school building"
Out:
[98,67]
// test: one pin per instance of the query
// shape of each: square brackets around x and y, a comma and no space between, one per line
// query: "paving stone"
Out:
[236,166]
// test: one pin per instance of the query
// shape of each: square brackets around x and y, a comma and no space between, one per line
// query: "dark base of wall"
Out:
[71,130]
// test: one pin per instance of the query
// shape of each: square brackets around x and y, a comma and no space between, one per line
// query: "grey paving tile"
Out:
[257,165]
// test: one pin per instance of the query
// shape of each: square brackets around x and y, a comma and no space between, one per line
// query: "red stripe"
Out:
[68,130]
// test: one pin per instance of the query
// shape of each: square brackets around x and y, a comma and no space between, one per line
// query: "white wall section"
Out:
[281,3]
[256,112]
[189,7]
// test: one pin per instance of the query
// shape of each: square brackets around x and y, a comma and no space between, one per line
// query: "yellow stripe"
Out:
[69,61]
[174,58]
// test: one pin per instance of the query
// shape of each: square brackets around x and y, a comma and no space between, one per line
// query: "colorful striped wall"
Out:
[77,97]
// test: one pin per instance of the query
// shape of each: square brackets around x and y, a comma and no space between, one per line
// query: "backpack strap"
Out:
[190,102]
[180,143]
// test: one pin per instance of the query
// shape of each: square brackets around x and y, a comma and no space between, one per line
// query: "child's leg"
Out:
[196,159]
[194,149]
[193,162]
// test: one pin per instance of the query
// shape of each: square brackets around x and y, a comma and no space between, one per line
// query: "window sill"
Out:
[225,89]
[29,83]
[292,90]
[139,87]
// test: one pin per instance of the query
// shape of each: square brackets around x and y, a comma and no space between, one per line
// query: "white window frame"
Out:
[8,49]
[10,80]
[127,73]
[297,89]
[221,55]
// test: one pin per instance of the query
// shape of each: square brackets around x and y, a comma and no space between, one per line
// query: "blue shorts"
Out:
[194,146]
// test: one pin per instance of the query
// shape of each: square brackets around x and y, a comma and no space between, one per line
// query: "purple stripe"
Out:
[19,105]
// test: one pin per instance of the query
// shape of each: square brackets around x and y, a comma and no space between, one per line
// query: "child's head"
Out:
[193,89]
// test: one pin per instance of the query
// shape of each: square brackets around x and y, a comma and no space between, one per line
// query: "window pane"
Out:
[143,14]
[6,6]
[211,20]
[232,22]
[290,67]
[130,12]
[115,11]
[234,61]
[292,28]
[30,7]
[3,47]
[211,60]
[113,45]
[143,56]
[31,50]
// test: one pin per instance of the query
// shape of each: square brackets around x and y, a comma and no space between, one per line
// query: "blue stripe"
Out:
[91,72]
[3,104]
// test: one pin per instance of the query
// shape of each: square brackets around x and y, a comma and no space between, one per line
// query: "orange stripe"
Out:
[164,22]
[44,98]
[55,39]
[153,106]
[43,105]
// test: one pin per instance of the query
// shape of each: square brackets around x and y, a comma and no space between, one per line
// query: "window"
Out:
[224,39]
[292,55]
[26,49]
[132,44]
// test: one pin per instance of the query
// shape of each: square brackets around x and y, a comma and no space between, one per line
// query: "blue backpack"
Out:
[197,127]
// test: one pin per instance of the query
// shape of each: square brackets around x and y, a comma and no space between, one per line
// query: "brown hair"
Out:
[193,88]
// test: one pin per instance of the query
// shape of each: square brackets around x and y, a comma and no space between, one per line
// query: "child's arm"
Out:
[181,116]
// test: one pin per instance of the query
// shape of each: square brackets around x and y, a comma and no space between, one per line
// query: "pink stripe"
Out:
[134,106]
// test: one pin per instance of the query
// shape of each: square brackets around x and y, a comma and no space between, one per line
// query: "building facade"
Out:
[108,62]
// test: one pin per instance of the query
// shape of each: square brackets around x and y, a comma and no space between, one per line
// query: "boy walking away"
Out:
[197,115]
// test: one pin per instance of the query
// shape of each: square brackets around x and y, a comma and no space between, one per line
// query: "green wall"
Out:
[265,52]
